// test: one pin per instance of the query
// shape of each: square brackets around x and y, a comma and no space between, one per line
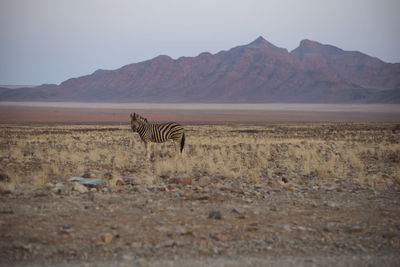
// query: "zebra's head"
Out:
[136,120]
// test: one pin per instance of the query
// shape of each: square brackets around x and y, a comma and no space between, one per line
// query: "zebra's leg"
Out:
[147,150]
[176,155]
[176,149]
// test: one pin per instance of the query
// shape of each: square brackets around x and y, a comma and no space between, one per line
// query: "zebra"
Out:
[157,133]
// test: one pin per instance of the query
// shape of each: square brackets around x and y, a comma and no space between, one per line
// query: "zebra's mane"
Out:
[142,119]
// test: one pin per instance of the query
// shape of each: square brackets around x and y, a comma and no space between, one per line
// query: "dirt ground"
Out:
[224,223]
[249,195]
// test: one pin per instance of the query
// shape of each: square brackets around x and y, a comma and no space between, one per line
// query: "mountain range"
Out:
[254,73]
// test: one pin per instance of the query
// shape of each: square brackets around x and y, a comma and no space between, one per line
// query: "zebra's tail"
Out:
[182,141]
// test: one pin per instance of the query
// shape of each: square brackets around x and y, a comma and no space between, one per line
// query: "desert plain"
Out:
[251,188]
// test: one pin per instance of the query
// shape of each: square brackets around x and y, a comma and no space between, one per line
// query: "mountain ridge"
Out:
[253,73]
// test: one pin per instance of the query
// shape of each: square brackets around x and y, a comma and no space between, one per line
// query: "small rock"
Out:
[215,215]
[66,230]
[333,205]
[165,244]
[248,200]
[219,237]
[204,181]
[127,257]
[7,210]
[86,174]
[120,182]
[355,229]
[27,247]
[164,188]
[89,182]
[273,208]
[41,192]
[234,210]
[129,180]
[116,182]
[6,188]
[252,227]
[329,227]
[66,226]
[79,188]
[389,235]
[4,178]
[181,180]
[114,226]
[59,189]
[162,229]
[287,227]
[107,175]
[107,238]
[180,230]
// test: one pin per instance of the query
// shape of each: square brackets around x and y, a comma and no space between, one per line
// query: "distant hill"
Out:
[257,72]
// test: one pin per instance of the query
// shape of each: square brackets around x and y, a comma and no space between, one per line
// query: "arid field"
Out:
[247,194]
[368,154]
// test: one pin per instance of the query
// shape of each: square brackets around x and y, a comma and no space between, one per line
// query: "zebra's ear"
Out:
[136,116]
[131,116]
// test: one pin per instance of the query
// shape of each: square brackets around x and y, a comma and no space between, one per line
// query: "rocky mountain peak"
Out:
[306,43]
[260,42]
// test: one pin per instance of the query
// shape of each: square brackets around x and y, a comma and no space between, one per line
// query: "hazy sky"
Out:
[49,41]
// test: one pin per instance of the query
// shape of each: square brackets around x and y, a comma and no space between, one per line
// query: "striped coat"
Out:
[157,133]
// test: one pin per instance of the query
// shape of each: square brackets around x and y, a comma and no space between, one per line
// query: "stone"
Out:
[117,182]
[181,230]
[287,227]
[129,180]
[89,182]
[215,215]
[329,227]
[204,181]
[219,237]
[333,205]
[165,244]
[79,188]
[107,238]
[59,188]
[234,210]
[127,257]
[6,210]
[389,235]
[273,208]
[41,192]
[252,227]
[355,229]
[4,178]
[181,180]
[66,230]
[162,229]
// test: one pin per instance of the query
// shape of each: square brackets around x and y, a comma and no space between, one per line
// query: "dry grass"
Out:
[363,153]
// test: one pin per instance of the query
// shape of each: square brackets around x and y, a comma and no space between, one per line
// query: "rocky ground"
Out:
[240,195]
[201,222]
